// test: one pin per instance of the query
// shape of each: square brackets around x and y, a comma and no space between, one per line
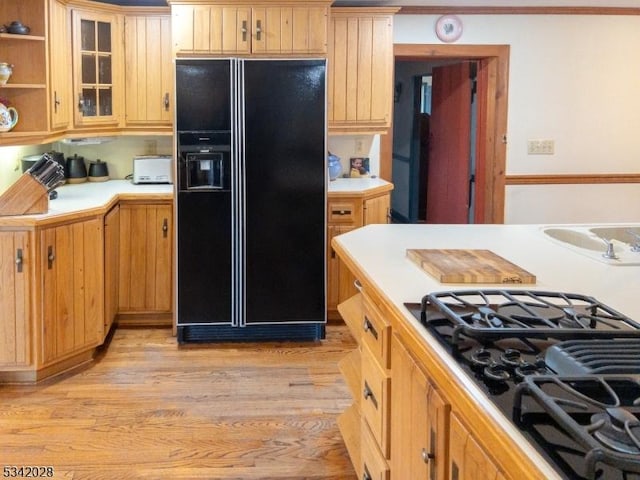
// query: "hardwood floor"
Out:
[147,408]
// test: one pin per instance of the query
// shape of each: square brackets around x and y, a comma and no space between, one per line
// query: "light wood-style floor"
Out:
[149,409]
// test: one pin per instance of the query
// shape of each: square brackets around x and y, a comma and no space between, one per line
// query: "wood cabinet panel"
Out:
[15,266]
[111,260]
[468,461]
[267,28]
[375,405]
[148,70]
[72,290]
[59,43]
[377,209]
[360,93]
[145,258]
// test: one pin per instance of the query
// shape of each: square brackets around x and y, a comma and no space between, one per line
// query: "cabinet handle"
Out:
[244,30]
[165,228]
[19,260]
[368,327]
[426,456]
[368,395]
[258,29]
[50,257]
[365,474]
[166,102]
[56,102]
[80,103]
[358,285]
[341,212]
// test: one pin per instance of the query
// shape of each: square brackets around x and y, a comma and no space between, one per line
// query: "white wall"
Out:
[573,79]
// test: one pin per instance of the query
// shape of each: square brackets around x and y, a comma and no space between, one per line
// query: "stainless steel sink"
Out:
[592,241]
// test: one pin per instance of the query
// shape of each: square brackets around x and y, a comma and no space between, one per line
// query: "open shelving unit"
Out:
[26,89]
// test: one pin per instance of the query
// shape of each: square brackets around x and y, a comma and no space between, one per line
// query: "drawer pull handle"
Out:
[368,327]
[426,456]
[358,285]
[368,395]
[341,212]
[165,228]
[19,260]
[365,474]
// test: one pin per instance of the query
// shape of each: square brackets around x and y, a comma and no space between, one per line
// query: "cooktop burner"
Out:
[601,413]
[564,367]
[496,313]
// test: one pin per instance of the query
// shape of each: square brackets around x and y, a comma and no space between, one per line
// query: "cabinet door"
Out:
[361,77]
[73,288]
[419,433]
[145,263]
[111,260]
[148,73]
[289,30]
[205,29]
[468,461]
[15,335]
[339,279]
[59,61]
[96,66]
[376,209]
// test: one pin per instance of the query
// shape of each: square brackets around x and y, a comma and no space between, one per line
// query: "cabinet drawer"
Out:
[350,366]
[372,463]
[376,332]
[344,211]
[374,403]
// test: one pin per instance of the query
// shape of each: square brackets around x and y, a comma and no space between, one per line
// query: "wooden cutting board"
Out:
[468,266]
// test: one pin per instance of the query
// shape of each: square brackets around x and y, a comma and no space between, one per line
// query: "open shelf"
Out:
[13,36]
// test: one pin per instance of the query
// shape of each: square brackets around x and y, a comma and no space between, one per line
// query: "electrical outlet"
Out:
[359,146]
[540,147]
[150,147]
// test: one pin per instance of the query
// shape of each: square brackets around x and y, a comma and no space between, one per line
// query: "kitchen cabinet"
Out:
[59,44]
[148,71]
[360,80]
[273,28]
[111,266]
[347,210]
[16,264]
[97,67]
[26,89]
[419,432]
[365,425]
[468,460]
[145,263]
[72,266]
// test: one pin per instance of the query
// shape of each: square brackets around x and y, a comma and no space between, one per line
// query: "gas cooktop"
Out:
[565,368]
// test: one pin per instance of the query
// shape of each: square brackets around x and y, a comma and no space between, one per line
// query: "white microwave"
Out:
[152,169]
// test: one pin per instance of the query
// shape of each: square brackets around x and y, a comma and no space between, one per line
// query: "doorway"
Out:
[490,132]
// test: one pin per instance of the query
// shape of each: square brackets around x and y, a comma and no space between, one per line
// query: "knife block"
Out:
[25,197]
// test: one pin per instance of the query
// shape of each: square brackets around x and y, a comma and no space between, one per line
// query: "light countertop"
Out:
[379,252]
[355,186]
[90,197]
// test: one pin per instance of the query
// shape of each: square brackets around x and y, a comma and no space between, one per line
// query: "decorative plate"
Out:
[449,28]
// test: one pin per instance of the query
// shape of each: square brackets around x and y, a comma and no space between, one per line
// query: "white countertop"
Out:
[88,195]
[355,185]
[380,252]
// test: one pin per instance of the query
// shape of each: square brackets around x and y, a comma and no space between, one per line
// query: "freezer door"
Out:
[284,190]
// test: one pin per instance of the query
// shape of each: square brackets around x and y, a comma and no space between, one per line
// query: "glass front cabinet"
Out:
[97,83]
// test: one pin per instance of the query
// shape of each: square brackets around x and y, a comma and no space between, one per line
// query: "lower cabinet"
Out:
[419,433]
[468,461]
[145,263]
[111,266]
[72,266]
[15,296]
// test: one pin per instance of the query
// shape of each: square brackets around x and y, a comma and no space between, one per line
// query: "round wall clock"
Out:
[449,28]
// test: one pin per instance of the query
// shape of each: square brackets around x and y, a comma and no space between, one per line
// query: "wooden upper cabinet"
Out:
[360,91]
[97,67]
[293,28]
[148,72]
[15,268]
[60,98]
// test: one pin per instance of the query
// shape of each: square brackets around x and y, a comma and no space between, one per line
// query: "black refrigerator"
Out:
[251,199]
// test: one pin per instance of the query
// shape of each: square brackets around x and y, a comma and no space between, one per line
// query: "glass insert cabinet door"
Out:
[94,66]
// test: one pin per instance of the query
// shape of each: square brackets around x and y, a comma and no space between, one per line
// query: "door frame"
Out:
[491,147]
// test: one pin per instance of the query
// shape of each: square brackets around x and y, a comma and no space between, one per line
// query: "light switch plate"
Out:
[540,147]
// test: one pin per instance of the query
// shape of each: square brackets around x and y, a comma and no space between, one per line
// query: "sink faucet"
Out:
[610,253]
[636,246]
